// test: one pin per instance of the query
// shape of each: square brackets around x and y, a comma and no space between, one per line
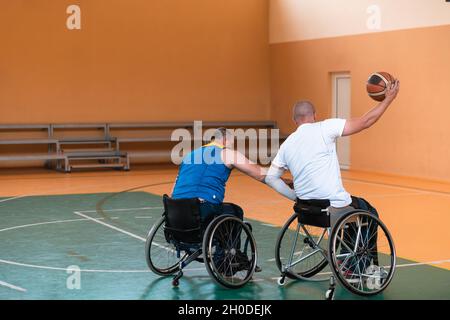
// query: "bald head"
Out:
[303,111]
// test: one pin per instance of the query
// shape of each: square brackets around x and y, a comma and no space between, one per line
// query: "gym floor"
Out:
[98,221]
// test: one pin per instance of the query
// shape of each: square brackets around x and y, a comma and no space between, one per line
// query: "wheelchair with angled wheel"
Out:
[352,246]
[225,245]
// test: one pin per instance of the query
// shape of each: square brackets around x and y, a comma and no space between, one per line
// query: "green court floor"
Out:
[104,236]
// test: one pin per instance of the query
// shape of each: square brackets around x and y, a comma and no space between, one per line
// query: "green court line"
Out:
[114,265]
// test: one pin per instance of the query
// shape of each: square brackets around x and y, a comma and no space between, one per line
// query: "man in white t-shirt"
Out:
[310,153]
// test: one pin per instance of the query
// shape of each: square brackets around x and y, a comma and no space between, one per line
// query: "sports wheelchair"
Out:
[355,244]
[225,245]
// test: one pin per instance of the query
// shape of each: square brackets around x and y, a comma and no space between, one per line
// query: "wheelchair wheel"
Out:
[229,251]
[162,257]
[362,253]
[300,250]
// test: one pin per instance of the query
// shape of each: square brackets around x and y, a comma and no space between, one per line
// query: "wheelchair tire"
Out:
[376,277]
[172,266]
[304,274]
[215,234]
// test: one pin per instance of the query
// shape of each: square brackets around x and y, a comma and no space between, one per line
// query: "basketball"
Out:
[377,84]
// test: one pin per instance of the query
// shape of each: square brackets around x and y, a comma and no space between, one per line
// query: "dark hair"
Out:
[219,133]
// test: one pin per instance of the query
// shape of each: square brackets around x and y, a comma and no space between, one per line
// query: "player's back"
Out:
[310,154]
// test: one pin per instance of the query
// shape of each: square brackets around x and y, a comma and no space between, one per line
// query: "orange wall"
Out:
[413,136]
[134,60]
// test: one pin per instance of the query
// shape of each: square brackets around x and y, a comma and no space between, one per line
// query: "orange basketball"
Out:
[377,84]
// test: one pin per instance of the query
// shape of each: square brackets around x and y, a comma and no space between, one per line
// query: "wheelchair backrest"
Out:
[313,212]
[183,221]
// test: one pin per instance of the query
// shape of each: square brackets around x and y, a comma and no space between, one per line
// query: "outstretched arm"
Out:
[235,159]
[356,125]
[274,180]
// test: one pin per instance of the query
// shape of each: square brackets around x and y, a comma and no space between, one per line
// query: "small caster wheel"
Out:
[329,295]
[175,283]
[281,281]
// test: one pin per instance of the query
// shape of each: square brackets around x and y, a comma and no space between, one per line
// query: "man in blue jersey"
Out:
[203,174]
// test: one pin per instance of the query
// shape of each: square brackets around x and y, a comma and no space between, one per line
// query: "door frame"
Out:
[334,77]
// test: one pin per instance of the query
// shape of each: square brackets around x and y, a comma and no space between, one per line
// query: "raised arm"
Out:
[356,125]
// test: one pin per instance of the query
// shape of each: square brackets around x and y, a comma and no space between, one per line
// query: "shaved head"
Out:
[303,111]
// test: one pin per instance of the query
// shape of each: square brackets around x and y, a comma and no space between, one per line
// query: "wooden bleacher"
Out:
[101,145]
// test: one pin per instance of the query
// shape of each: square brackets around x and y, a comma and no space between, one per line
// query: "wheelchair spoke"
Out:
[358,235]
[368,230]
[344,244]
[372,236]
[342,255]
[237,238]
[304,257]
[341,267]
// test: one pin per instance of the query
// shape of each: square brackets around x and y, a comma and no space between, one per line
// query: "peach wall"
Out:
[413,136]
[134,60]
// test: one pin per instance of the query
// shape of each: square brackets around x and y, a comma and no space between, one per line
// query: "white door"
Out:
[341,98]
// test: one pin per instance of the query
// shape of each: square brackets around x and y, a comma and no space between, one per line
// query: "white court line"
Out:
[42,223]
[122,231]
[397,266]
[118,210]
[13,198]
[65,269]
[14,263]
[11,286]
[143,217]
[111,226]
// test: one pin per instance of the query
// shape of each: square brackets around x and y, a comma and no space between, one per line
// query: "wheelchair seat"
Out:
[183,223]
[313,212]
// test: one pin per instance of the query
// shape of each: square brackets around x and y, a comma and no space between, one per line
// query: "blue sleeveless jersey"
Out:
[202,174]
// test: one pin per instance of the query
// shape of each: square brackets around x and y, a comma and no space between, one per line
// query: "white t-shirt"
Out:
[310,155]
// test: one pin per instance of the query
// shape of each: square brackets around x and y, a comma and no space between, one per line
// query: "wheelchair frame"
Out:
[204,251]
[330,225]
